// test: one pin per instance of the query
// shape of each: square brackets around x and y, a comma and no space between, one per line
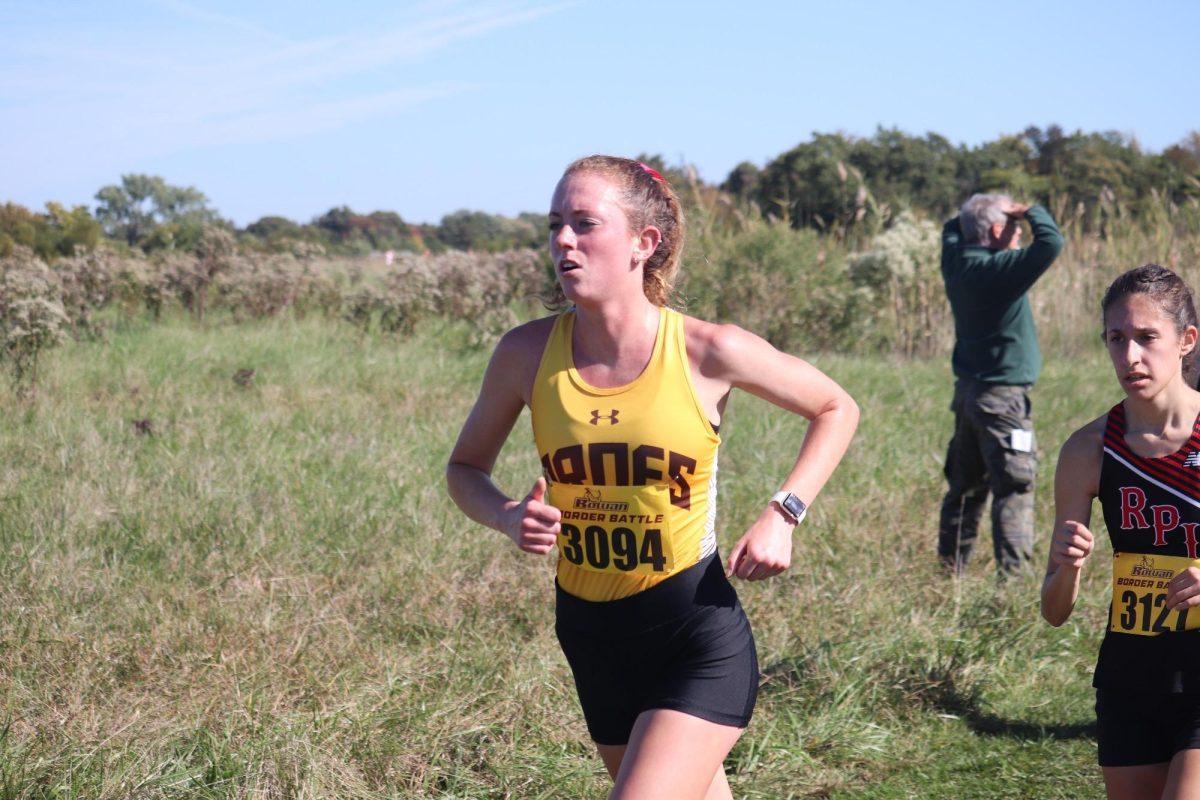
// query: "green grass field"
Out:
[210,590]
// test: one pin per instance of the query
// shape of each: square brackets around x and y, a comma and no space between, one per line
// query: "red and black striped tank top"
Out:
[1151,507]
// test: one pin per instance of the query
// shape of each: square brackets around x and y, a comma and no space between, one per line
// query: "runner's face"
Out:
[590,240]
[1144,346]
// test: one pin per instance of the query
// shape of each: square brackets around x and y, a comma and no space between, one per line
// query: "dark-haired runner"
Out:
[626,396]
[1142,460]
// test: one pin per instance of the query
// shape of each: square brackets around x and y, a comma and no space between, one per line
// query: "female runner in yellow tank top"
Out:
[627,396]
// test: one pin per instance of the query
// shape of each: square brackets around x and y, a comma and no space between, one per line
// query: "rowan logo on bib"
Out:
[592,500]
[1146,569]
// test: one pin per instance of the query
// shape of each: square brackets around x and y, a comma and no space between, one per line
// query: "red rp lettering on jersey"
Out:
[1189,536]
[1133,503]
[1165,519]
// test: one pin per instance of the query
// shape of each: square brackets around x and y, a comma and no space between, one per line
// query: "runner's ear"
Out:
[1187,341]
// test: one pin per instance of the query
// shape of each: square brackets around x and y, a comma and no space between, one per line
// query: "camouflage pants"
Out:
[992,450]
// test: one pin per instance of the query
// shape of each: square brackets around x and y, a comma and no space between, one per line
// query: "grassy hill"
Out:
[259,588]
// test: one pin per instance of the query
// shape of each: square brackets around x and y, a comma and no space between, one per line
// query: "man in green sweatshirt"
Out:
[996,361]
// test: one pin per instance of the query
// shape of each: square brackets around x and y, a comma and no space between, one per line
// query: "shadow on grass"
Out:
[938,688]
[992,725]
[945,696]
[797,672]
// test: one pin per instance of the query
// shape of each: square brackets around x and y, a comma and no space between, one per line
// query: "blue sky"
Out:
[425,107]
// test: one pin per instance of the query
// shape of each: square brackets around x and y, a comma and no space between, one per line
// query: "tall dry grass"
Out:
[213,587]
[879,292]
[228,568]
[883,293]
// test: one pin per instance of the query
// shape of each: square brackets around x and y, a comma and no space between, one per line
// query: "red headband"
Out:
[652,172]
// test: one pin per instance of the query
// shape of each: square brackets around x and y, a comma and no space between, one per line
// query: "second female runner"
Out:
[1142,461]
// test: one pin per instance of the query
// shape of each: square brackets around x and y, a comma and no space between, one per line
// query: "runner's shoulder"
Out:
[712,344]
[1085,446]
[524,344]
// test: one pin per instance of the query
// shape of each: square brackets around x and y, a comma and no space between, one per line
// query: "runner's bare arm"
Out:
[1076,484]
[740,359]
[507,383]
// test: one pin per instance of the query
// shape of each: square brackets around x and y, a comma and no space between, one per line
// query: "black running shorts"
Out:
[684,644]
[1137,728]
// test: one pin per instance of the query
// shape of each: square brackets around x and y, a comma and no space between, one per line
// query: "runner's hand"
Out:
[765,549]
[1184,590]
[1072,545]
[534,523]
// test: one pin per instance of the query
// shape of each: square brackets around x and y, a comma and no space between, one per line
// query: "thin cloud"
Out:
[198,93]
[189,11]
[345,55]
[271,125]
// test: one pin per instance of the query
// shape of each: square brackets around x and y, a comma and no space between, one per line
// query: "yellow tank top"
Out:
[633,468]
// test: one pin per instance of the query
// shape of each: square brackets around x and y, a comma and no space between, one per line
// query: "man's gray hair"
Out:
[980,213]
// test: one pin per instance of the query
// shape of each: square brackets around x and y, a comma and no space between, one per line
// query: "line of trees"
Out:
[146,213]
[832,182]
[836,181]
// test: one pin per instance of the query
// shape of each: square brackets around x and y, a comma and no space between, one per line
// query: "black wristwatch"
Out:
[792,506]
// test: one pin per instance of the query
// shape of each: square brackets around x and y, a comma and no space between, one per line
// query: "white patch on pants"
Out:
[1021,441]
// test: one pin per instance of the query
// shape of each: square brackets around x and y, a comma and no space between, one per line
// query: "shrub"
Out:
[785,284]
[483,288]
[32,318]
[255,288]
[188,278]
[87,281]
[900,275]
[138,283]
[488,289]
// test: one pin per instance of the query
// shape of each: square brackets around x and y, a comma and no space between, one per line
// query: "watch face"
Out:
[794,505]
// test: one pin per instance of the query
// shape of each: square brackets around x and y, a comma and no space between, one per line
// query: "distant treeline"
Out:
[144,213]
[833,182]
[836,180]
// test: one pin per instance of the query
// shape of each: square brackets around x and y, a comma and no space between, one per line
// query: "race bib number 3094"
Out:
[1139,595]
[615,528]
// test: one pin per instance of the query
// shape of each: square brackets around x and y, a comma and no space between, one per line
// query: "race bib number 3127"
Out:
[615,528]
[1139,595]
